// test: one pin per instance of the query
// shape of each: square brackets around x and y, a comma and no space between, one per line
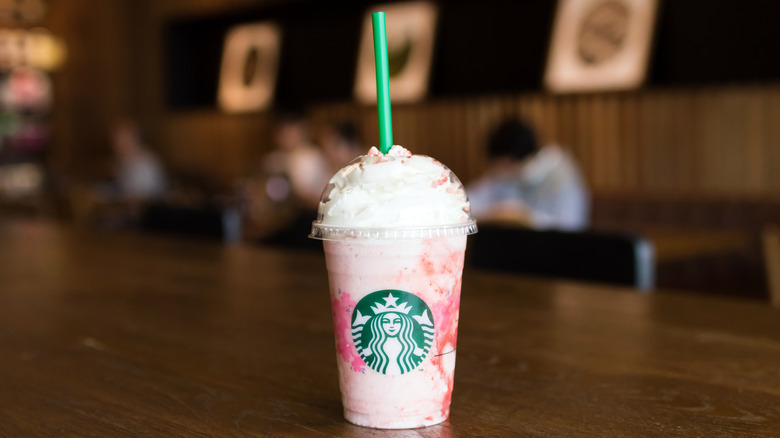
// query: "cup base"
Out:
[394,422]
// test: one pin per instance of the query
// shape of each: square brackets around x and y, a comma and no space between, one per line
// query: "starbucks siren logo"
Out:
[392,331]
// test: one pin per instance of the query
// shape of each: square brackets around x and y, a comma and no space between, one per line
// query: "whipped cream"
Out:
[397,189]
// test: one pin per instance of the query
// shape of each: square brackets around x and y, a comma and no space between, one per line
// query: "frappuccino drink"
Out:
[394,230]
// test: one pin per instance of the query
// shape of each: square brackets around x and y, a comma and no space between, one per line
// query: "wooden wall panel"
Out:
[704,141]
[708,141]
[772,149]
[94,86]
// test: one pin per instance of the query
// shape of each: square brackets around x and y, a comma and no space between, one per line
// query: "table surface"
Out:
[123,335]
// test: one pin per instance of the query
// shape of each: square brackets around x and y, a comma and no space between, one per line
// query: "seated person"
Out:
[137,177]
[297,161]
[139,173]
[341,143]
[285,191]
[528,185]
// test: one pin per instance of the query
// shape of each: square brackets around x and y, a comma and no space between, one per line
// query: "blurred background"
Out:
[688,158]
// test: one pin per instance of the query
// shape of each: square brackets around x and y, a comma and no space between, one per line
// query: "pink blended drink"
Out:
[394,228]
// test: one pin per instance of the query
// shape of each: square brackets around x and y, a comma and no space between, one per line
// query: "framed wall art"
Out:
[411,28]
[250,63]
[600,45]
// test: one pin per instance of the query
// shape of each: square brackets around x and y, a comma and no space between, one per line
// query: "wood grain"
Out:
[124,335]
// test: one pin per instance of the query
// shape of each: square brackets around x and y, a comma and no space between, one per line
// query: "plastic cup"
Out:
[395,296]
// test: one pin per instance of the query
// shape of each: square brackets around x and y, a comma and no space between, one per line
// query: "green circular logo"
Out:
[392,331]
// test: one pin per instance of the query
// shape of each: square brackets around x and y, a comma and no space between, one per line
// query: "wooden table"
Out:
[117,335]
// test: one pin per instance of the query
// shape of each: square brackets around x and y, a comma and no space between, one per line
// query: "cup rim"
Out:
[321,231]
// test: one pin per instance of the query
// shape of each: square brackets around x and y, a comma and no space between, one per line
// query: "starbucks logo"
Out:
[392,331]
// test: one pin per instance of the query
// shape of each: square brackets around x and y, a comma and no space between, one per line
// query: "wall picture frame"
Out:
[411,31]
[600,45]
[250,64]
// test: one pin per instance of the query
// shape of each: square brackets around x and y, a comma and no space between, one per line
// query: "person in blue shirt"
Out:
[538,187]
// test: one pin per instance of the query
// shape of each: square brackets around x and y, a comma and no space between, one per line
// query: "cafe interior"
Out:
[669,111]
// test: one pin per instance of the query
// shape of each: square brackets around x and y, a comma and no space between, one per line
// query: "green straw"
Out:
[382,82]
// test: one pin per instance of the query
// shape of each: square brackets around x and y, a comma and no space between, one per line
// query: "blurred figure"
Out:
[139,173]
[525,184]
[137,178]
[341,143]
[296,168]
[286,190]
